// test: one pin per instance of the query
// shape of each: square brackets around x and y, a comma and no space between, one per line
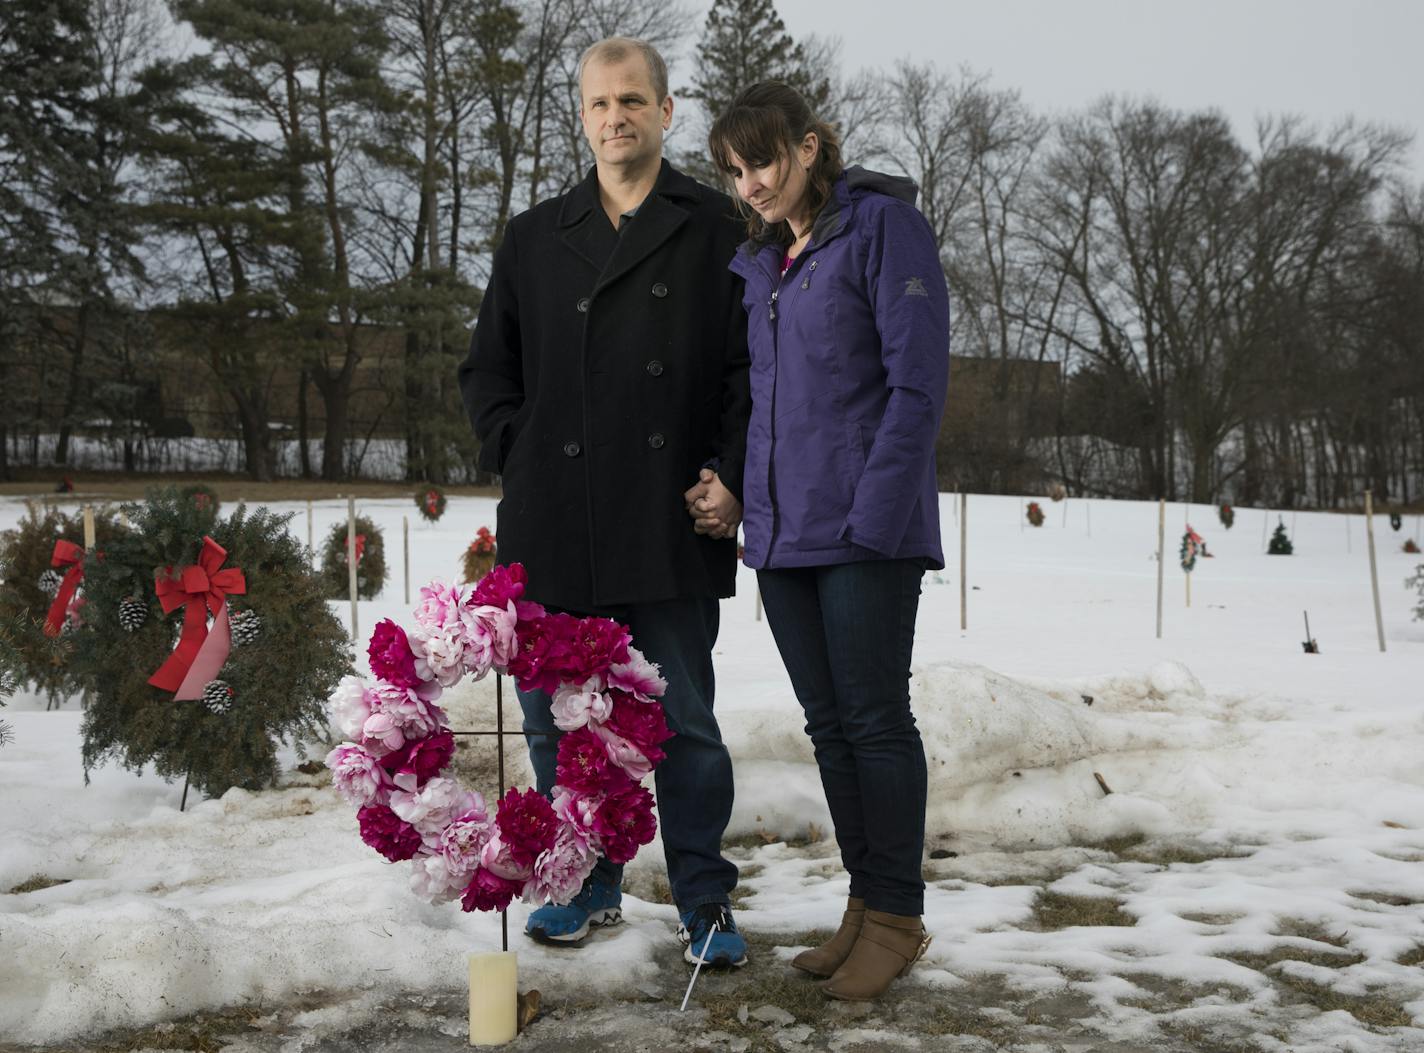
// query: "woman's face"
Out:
[776,188]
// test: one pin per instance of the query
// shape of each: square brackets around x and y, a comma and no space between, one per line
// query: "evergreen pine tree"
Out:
[1280,541]
[743,42]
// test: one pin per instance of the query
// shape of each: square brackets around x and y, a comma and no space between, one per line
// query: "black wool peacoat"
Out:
[598,390]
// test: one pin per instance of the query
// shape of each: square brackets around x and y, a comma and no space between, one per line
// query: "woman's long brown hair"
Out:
[765,123]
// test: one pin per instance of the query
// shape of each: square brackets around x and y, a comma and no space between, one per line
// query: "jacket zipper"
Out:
[773,315]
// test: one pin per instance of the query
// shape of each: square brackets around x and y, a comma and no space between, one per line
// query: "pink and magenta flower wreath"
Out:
[604,699]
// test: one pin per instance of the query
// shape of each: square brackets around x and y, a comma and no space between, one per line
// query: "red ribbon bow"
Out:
[197,588]
[66,554]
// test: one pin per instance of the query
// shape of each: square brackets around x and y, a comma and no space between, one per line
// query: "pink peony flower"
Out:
[583,764]
[429,808]
[424,758]
[624,754]
[644,724]
[439,606]
[576,812]
[624,822]
[412,710]
[500,587]
[498,860]
[489,891]
[559,872]
[637,676]
[432,879]
[350,706]
[387,833]
[358,776]
[465,838]
[438,654]
[491,639]
[392,659]
[526,825]
[574,707]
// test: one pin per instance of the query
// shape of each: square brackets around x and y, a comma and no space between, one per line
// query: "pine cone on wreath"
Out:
[132,614]
[217,696]
[50,581]
[246,627]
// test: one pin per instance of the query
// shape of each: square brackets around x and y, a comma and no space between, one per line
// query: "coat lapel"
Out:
[657,220]
[576,218]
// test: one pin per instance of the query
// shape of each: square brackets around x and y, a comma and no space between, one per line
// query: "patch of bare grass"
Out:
[36,883]
[1056,910]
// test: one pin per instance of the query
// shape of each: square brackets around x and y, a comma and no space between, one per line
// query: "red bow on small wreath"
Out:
[432,502]
[198,588]
[360,547]
[66,554]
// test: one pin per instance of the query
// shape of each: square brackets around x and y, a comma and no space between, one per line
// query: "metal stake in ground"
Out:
[405,540]
[351,564]
[1161,543]
[701,957]
[963,561]
[499,750]
[1374,573]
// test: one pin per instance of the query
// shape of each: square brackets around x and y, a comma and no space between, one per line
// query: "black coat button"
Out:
[571,449]
[654,368]
[583,305]
[656,440]
[660,290]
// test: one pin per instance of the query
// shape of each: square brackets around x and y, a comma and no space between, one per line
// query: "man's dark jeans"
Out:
[694,783]
[845,633]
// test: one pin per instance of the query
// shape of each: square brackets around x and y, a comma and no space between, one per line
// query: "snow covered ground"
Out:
[1256,875]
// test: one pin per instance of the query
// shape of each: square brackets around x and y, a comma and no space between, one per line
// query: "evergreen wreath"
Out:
[1192,546]
[279,681]
[480,556]
[370,561]
[9,664]
[430,500]
[1395,521]
[1280,541]
[1035,514]
[1226,514]
[27,601]
[204,498]
[1417,582]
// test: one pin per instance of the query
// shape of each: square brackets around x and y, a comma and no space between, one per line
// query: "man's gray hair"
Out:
[616,49]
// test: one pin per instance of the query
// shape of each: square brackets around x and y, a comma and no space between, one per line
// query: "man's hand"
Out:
[713,508]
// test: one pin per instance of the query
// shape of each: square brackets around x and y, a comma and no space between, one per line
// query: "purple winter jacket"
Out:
[850,361]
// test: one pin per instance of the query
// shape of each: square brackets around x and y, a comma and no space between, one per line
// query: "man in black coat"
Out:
[607,383]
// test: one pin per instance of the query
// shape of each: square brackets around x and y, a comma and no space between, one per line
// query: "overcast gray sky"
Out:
[1322,59]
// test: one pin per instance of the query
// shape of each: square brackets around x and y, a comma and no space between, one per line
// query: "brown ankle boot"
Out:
[824,960]
[888,945]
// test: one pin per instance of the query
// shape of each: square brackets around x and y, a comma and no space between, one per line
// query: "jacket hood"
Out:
[859,180]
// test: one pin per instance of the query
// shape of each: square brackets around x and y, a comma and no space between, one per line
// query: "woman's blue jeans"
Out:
[845,633]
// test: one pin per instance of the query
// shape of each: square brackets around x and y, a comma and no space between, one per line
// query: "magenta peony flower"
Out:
[527,825]
[624,822]
[392,659]
[488,891]
[547,654]
[358,776]
[500,587]
[637,676]
[387,833]
[424,758]
[583,764]
[600,643]
[644,724]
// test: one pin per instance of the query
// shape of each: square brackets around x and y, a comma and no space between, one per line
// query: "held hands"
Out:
[714,510]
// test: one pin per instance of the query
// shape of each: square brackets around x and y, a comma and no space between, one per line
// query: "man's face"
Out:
[622,117]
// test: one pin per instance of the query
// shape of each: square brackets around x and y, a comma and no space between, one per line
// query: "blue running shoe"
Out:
[726,947]
[597,903]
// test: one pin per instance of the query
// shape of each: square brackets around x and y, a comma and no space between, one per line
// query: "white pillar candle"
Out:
[494,998]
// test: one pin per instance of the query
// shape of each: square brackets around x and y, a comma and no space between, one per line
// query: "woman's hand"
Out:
[715,511]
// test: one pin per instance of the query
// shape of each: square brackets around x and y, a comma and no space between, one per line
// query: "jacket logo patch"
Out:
[916,287]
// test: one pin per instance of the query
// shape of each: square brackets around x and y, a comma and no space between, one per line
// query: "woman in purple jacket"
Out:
[848,324]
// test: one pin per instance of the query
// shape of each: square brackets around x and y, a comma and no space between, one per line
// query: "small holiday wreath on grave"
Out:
[430,499]
[43,592]
[370,561]
[604,700]
[1035,514]
[211,643]
[1192,547]
[1226,514]
[479,557]
[203,498]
